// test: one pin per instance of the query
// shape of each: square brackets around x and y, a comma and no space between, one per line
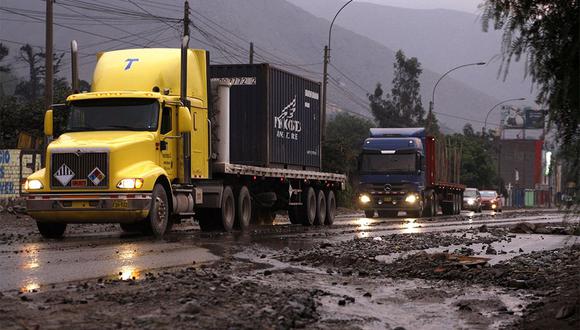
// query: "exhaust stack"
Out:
[186,137]
[74,55]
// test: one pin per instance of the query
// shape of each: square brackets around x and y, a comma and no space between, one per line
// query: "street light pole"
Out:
[432,102]
[325,72]
[484,128]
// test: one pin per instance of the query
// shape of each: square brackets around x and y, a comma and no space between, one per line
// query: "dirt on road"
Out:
[473,278]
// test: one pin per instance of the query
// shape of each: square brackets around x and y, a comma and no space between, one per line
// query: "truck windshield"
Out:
[115,114]
[389,163]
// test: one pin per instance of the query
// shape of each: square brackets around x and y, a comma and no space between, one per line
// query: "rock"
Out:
[267,272]
[191,307]
[490,250]
[523,228]
[368,294]
[483,229]
[341,302]
[399,328]
[565,312]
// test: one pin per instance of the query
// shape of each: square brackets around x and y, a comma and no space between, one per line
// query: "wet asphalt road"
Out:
[38,263]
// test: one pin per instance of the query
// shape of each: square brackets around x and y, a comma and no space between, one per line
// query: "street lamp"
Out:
[325,71]
[483,129]
[443,76]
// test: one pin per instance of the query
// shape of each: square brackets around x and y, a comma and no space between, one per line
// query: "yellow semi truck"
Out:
[157,140]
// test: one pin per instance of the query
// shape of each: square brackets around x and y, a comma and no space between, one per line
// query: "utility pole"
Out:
[48,57]
[251,53]
[186,19]
[324,88]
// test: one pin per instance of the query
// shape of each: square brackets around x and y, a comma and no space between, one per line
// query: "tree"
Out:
[3,53]
[33,88]
[547,34]
[403,106]
[432,124]
[345,135]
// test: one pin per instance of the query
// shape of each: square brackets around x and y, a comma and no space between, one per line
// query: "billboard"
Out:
[513,117]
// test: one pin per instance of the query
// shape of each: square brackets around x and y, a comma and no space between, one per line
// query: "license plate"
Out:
[388,199]
[120,204]
[80,204]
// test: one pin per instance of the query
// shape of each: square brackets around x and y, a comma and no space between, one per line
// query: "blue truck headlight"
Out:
[365,199]
[411,199]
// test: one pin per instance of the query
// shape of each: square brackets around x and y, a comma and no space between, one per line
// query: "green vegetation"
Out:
[547,34]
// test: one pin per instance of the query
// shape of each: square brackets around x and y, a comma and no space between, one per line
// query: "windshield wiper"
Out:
[81,128]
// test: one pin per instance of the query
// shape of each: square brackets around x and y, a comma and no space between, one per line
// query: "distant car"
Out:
[472,200]
[490,200]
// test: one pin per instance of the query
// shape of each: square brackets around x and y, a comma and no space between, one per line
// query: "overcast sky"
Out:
[469,6]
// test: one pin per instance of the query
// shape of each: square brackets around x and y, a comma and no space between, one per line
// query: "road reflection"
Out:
[127,255]
[30,261]
[410,226]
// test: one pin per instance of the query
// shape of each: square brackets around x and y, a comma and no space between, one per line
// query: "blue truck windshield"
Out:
[395,163]
[114,115]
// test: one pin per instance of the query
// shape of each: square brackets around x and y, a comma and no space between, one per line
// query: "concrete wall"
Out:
[10,171]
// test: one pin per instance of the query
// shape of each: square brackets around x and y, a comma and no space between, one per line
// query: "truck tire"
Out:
[244,209]
[158,220]
[330,208]
[430,206]
[51,230]
[320,208]
[227,212]
[369,213]
[457,204]
[309,207]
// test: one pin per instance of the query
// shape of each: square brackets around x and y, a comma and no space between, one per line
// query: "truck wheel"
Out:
[457,204]
[227,211]
[320,208]
[430,207]
[369,213]
[158,219]
[330,208]
[309,207]
[244,209]
[51,230]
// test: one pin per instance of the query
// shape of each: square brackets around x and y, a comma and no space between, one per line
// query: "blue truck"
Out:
[404,169]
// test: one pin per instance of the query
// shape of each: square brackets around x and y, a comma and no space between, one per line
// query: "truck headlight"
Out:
[130,183]
[493,206]
[470,201]
[33,185]
[364,199]
[411,199]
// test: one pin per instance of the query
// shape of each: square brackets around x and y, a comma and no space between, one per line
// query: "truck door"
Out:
[168,142]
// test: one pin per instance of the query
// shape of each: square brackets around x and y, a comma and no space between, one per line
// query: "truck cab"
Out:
[118,159]
[392,172]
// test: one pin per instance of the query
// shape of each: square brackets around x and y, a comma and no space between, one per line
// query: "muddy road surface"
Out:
[516,269]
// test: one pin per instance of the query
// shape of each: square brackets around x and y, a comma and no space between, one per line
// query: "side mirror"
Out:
[48,123]
[185,123]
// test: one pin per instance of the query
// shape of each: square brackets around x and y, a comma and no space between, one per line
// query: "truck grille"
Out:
[79,169]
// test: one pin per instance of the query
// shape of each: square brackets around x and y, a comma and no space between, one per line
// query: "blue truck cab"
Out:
[404,169]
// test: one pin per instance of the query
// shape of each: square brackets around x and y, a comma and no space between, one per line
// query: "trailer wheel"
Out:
[158,219]
[309,207]
[227,212]
[430,207]
[51,230]
[330,208]
[457,204]
[244,209]
[320,208]
[370,213]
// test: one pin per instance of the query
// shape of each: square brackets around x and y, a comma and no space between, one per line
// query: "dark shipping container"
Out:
[274,116]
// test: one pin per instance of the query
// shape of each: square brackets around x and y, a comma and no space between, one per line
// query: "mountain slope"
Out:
[284,34]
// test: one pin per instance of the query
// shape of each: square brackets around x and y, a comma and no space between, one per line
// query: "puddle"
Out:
[527,243]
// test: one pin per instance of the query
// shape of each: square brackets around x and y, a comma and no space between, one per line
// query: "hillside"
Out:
[284,34]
